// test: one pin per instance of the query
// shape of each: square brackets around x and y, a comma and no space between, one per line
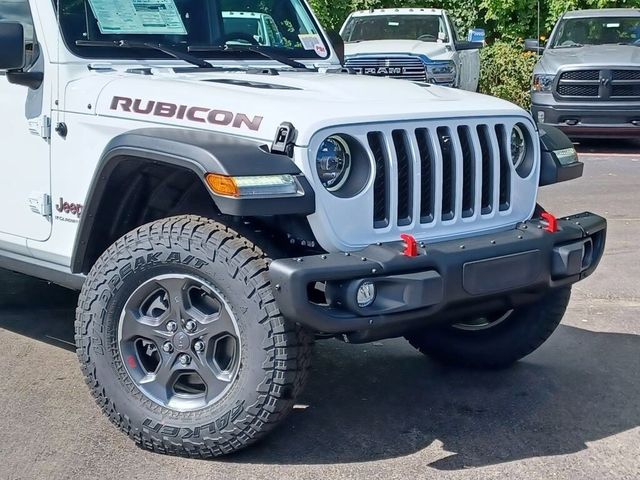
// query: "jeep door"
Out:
[24,146]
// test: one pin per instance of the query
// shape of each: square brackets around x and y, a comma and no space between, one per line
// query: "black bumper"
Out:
[447,280]
[589,119]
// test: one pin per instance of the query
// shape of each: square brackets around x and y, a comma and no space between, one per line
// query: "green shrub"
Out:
[506,72]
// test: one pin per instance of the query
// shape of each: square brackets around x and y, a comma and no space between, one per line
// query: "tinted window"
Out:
[598,31]
[428,28]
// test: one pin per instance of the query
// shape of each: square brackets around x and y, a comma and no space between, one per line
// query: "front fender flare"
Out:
[202,153]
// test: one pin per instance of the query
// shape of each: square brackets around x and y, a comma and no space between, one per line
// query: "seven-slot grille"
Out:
[446,173]
[601,84]
[402,67]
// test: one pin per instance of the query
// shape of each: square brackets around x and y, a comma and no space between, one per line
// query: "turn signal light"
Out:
[223,185]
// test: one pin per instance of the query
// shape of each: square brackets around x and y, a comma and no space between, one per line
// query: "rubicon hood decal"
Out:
[186,112]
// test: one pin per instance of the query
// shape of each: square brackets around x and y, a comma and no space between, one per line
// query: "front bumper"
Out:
[447,280]
[588,119]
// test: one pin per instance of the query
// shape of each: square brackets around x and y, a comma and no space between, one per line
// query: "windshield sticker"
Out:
[321,50]
[310,40]
[146,17]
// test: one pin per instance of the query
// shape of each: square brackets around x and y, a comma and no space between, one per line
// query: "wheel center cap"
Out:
[181,341]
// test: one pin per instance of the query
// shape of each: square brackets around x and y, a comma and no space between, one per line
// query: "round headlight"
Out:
[518,146]
[333,162]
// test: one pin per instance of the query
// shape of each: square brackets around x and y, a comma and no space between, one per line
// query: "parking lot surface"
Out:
[569,411]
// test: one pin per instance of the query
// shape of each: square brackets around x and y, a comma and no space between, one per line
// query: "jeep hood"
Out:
[435,51]
[589,55]
[255,105]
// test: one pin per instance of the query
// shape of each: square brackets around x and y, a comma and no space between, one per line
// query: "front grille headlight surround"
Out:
[522,151]
[342,165]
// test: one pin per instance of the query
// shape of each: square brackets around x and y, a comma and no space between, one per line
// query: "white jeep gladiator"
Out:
[417,44]
[221,204]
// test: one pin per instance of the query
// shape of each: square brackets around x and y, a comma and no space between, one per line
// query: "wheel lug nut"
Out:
[199,346]
[172,326]
[167,347]
[185,360]
[190,326]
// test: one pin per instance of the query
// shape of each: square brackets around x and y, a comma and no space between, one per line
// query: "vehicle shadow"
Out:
[368,403]
[37,309]
[604,146]
[384,400]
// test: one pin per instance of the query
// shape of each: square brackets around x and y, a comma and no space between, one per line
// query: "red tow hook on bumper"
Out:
[552,222]
[411,245]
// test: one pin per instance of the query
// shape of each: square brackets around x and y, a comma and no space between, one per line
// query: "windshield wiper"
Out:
[241,48]
[574,45]
[193,60]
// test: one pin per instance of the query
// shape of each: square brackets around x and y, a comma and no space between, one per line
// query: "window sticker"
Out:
[147,17]
[310,40]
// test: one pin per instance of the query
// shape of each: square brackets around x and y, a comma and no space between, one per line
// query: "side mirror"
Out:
[460,46]
[338,44]
[478,35]
[13,56]
[12,46]
[533,45]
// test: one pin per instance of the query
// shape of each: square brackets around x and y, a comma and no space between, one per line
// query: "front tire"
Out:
[181,341]
[497,340]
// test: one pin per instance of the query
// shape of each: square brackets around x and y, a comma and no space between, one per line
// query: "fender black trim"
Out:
[551,170]
[200,152]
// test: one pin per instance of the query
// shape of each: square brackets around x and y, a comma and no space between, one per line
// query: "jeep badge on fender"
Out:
[222,197]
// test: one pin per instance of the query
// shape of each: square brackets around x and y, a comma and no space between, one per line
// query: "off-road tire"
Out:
[499,346]
[274,358]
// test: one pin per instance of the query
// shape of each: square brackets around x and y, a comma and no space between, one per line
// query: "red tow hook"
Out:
[552,222]
[411,248]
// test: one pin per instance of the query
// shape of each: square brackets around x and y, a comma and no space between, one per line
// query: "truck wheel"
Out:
[496,340]
[181,342]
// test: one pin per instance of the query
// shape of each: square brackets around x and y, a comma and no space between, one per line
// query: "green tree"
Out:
[508,20]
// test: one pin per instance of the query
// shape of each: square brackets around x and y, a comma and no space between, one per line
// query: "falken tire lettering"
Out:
[184,433]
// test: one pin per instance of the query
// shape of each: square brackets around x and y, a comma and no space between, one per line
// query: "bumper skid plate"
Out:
[476,275]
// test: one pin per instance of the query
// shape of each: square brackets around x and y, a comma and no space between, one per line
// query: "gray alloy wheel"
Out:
[179,342]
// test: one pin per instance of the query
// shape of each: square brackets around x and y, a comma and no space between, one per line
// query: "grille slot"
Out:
[487,169]
[626,91]
[448,173]
[427,200]
[380,190]
[402,67]
[405,177]
[581,75]
[578,90]
[626,75]
[505,168]
[468,171]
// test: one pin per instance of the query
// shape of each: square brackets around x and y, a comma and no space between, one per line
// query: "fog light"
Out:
[366,294]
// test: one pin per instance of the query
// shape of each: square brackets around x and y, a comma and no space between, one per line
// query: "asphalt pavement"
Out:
[571,410]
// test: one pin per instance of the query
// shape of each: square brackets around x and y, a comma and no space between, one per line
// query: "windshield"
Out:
[283,27]
[428,28]
[577,32]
